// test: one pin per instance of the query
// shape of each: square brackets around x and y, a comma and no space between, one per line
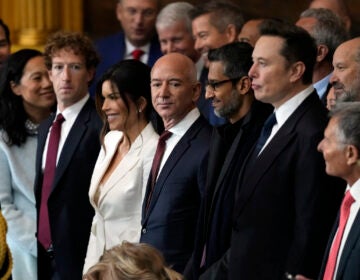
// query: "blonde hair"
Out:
[5,255]
[132,261]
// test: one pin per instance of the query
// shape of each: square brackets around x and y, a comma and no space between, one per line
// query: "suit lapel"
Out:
[71,143]
[253,171]
[352,238]
[175,156]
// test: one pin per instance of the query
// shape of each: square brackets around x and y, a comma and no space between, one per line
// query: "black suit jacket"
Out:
[349,265]
[286,203]
[169,222]
[70,212]
[215,223]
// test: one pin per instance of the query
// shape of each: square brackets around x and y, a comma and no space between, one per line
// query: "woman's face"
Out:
[117,114]
[35,87]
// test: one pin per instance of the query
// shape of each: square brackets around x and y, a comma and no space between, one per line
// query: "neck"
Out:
[134,131]
[244,109]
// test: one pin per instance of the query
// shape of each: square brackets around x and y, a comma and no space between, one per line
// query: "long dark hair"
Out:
[12,112]
[132,79]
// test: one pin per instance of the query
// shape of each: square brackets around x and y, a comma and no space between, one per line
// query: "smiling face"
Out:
[35,87]
[70,77]
[226,100]
[346,74]
[137,19]
[270,72]
[174,88]
[119,117]
[207,36]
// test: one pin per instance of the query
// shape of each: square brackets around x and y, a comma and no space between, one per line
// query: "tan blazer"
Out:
[118,209]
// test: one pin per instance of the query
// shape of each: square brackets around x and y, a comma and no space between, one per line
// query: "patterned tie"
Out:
[44,234]
[157,161]
[265,133]
[333,254]
[137,54]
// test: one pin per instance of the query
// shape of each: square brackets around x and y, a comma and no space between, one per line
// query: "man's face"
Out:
[225,97]
[174,90]
[270,73]
[250,32]
[70,77]
[4,47]
[346,74]
[207,36]
[177,38]
[137,19]
[307,23]
[333,151]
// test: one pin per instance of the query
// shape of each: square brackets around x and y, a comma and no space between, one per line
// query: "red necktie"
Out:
[44,234]
[137,54]
[333,254]
[157,161]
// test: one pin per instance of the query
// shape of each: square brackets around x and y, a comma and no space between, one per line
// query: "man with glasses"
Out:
[229,90]
[4,42]
[138,39]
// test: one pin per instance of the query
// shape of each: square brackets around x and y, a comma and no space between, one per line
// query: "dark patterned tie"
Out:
[44,234]
[265,133]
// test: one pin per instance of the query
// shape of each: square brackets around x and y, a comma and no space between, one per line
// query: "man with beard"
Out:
[229,90]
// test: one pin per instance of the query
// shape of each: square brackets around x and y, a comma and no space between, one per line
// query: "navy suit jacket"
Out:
[112,49]
[169,222]
[215,222]
[286,204]
[70,212]
[349,265]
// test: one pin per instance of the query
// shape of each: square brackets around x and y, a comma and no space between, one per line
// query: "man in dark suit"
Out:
[214,24]
[285,202]
[71,60]
[137,18]
[341,151]
[172,202]
[329,32]
[229,89]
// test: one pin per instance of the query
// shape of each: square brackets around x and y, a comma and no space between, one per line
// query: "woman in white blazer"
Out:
[118,184]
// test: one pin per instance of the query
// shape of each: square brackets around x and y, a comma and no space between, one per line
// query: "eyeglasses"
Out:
[215,85]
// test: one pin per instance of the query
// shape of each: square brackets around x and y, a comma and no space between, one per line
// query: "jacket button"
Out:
[144,230]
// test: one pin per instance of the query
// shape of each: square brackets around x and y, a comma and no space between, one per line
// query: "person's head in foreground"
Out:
[131,261]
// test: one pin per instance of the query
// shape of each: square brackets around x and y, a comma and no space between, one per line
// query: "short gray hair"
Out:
[329,30]
[348,117]
[173,13]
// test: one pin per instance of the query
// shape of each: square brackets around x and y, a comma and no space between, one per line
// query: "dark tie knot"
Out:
[165,135]
[59,118]
[137,53]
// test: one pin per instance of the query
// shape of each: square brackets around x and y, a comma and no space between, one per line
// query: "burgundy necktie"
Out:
[157,161]
[333,254]
[44,234]
[137,53]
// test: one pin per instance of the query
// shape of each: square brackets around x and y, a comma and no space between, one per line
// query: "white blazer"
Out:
[118,210]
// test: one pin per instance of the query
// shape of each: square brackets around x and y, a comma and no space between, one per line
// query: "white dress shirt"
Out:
[130,48]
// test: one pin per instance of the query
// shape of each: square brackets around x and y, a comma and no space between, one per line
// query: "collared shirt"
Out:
[130,48]
[354,209]
[286,110]
[70,114]
[322,85]
[178,131]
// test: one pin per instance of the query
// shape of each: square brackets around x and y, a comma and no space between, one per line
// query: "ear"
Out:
[352,155]
[297,71]
[119,11]
[141,104]
[91,74]
[15,88]
[243,85]
[322,52]
[231,33]
[196,92]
